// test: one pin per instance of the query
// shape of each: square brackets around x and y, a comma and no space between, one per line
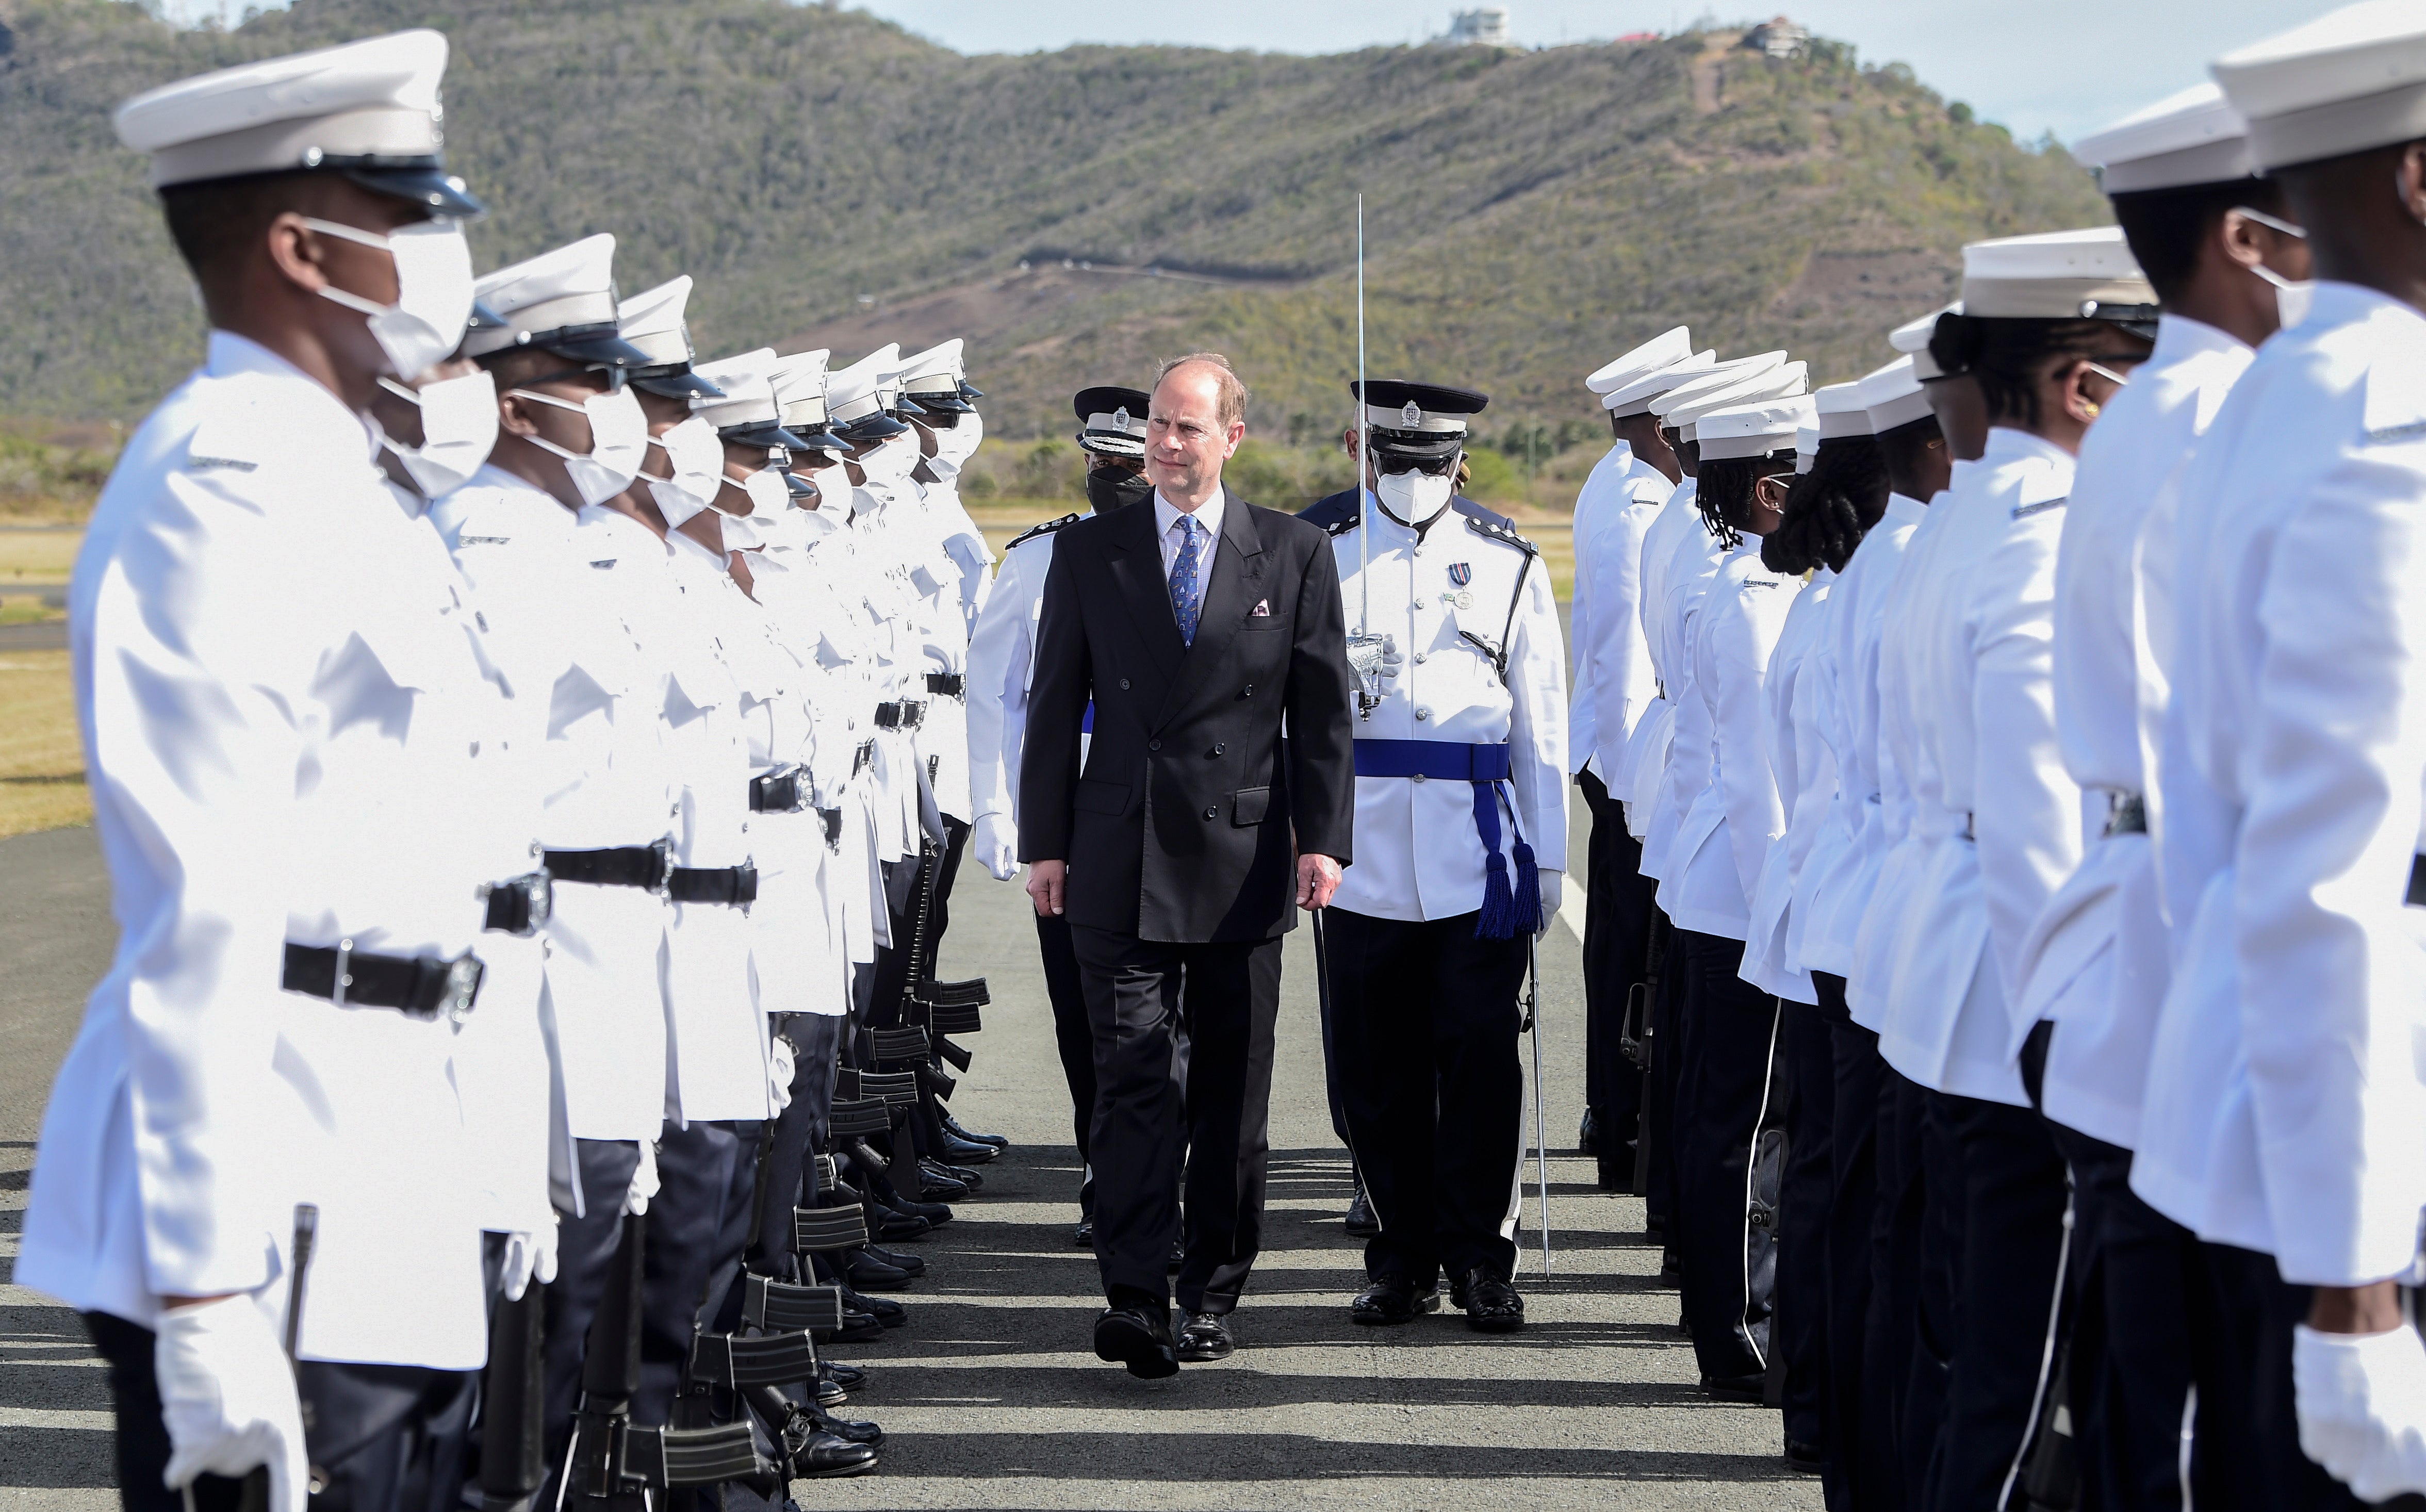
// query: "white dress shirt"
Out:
[1002,666]
[1806,774]
[1694,557]
[1208,523]
[1613,679]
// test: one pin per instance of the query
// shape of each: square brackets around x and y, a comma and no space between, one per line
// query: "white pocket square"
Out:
[1263,609]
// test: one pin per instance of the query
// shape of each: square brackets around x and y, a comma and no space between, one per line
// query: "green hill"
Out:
[831,179]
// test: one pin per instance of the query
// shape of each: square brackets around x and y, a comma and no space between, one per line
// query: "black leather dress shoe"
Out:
[1391,1300]
[849,1378]
[818,1455]
[1206,1336]
[1361,1222]
[967,1152]
[829,1394]
[846,1429]
[1492,1305]
[1084,1235]
[1737,1388]
[952,1126]
[962,1174]
[1805,1459]
[1138,1336]
[884,1309]
[1588,1134]
[868,1274]
[906,1262]
[933,1186]
[895,1227]
[858,1326]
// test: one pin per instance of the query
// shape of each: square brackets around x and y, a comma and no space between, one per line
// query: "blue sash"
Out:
[1506,911]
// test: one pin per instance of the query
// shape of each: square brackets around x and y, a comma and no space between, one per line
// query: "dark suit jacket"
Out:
[1179,828]
[1336,508]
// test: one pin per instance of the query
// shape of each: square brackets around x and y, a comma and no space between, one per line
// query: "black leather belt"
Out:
[734,885]
[520,905]
[2418,882]
[831,819]
[908,713]
[949,685]
[785,790]
[642,866]
[419,986]
[862,758]
[2127,814]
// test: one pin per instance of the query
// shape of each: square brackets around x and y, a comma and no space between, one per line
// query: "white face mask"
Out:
[697,465]
[893,459]
[459,429]
[942,468]
[767,489]
[741,533]
[433,292]
[833,490]
[959,444]
[1416,497]
[2291,298]
[619,439]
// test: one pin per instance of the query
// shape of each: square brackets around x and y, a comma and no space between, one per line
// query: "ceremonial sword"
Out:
[1541,1110]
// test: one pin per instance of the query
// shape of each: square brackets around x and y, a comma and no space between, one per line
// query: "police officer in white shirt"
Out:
[1613,685]
[301,902]
[2185,189]
[1461,818]
[2291,776]
[1002,651]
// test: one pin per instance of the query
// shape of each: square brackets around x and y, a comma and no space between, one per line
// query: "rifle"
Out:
[1634,1039]
[252,1495]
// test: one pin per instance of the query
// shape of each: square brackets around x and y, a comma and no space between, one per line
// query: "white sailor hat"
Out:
[1113,418]
[744,411]
[1635,397]
[368,110]
[1751,429]
[1664,350]
[1893,395]
[2061,275]
[2350,80]
[2191,137]
[1912,339]
[800,385]
[1784,382]
[856,398]
[561,301]
[652,322]
[1806,444]
[1418,422]
[1842,412]
[1709,381]
[931,378]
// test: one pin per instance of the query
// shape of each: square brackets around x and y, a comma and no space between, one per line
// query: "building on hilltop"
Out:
[1778,38]
[1485,26]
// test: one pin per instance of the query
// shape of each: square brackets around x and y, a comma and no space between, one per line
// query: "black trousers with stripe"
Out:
[1723,1101]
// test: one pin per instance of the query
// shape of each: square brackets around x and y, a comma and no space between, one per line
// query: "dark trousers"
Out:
[947,866]
[1805,1208]
[1071,1036]
[1897,1431]
[1723,1105]
[1859,1473]
[1424,1020]
[585,1248]
[1659,1090]
[387,1437]
[798,1132]
[2134,1274]
[698,1223]
[2014,1195]
[1619,907]
[1148,1112]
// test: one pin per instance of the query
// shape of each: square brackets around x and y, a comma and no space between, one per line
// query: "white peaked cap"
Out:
[569,287]
[1635,398]
[2351,79]
[800,385]
[747,381]
[1783,381]
[1893,396]
[1666,349]
[653,321]
[371,99]
[853,393]
[1806,444]
[1840,411]
[1751,429]
[1911,338]
[2191,137]
[1711,379]
[943,359]
[2061,275]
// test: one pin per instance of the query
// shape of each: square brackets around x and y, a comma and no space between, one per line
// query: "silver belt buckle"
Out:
[344,973]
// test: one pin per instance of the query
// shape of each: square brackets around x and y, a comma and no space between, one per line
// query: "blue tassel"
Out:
[1498,917]
[1528,905]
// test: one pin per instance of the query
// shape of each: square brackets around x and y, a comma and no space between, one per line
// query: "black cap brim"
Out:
[878,427]
[762,434]
[1413,446]
[799,487]
[682,385]
[426,185]
[949,404]
[907,406]
[596,350]
[818,441]
[970,390]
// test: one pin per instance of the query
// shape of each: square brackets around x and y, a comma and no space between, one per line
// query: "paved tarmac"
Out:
[992,1396]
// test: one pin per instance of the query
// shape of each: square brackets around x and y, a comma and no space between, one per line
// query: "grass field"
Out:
[42,764]
[36,558]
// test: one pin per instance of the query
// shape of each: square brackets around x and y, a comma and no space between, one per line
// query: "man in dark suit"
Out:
[1194,621]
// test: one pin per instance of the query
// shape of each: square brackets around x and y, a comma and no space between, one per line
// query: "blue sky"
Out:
[2066,66]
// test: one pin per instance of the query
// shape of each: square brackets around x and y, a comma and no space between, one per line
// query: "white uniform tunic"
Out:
[1833,891]
[2095,962]
[1694,558]
[278,705]
[1654,733]
[608,784]
[2283,1110]
[1806,775]
[1419,853]
[1990,786]
[1002,666]
[1724,839]
[1613,676]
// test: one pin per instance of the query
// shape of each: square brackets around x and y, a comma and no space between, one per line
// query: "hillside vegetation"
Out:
[832,179]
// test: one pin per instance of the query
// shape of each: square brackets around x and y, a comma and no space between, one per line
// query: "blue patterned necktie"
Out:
[1185,597]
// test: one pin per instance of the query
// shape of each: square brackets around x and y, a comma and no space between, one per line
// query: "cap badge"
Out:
[1120,418]
[1461,573]
[1413,414]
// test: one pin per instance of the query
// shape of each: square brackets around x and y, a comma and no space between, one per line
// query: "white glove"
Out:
[780,1067]
[1552,884]
[995,841]
[644,1180]
[227,1394]
[2361,1401]
[530,1256]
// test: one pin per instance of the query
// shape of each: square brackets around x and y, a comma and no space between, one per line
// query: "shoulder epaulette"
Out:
[1502,533]
[1045,529]
[1341,528]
